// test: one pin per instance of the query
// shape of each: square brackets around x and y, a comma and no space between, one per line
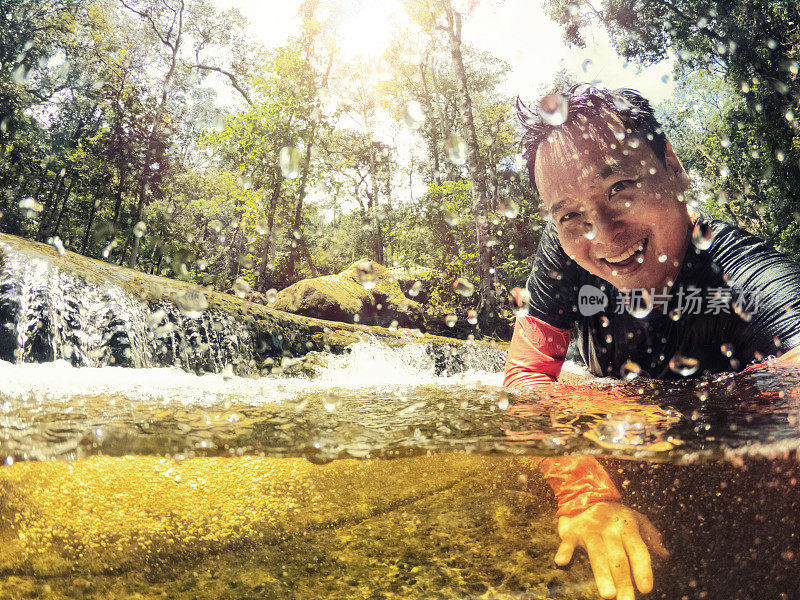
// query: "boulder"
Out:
[366,292]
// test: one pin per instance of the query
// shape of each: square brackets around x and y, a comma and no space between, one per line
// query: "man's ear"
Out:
[674,166]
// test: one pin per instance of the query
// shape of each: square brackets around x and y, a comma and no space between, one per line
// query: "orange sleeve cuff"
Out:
[536,353]
[578,482]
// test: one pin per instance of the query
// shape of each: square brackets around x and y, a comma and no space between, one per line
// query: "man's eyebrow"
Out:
[557,207]
[611,167]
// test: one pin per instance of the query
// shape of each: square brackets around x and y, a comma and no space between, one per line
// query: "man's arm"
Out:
[590,515]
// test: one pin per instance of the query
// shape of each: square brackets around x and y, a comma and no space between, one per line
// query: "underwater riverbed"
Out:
[378,478]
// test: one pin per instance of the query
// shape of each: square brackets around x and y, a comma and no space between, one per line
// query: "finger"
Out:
[639,559]
[564,552]
[651,536]
[599,561]
[620,568]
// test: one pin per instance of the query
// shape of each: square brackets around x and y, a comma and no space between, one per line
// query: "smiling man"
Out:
[644,284]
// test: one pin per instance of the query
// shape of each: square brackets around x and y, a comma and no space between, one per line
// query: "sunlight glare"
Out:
[364,28]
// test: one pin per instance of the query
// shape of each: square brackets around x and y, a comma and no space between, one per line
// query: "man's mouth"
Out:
[631,255]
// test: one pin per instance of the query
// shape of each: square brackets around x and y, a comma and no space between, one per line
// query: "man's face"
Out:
[618,209]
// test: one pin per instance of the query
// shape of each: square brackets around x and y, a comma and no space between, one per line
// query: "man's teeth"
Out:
[627,254]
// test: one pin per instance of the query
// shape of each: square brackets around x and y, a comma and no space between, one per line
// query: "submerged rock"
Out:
[365,292]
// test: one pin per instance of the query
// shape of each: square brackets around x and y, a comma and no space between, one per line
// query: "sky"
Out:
[517,31]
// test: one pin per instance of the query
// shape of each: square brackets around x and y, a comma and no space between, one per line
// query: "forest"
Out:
[113,145]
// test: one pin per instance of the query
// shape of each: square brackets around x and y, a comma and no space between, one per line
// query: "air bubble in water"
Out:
[413,115]
[415,289]
[702,236]
[450,320]
[630,370]
[472,317]
[139,229]
[191,303]
[554,109]
[366,274]
[684,365]
[463,287]
[290,162]
[456,149]
[241,288]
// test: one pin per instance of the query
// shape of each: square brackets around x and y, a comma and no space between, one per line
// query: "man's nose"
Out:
[603,225]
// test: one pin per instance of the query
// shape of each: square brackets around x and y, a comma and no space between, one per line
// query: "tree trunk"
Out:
[487,309]
[63,207]
[261,281]
[85,243]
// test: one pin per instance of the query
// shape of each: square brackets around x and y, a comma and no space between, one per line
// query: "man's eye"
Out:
[619,186]
[568,217]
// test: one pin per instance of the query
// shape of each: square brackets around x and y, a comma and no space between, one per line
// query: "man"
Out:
[645,284]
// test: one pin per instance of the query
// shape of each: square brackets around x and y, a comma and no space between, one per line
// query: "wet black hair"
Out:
[633,110]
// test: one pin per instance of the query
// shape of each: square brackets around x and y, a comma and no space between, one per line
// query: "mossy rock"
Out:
[365,292]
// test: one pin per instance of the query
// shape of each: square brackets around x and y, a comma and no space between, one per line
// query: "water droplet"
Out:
[271,294]
[450,218]
[290,162]
[139,229]
[56,243]
[662,258]
[586,64]
[456,149]
[245,181]
[413,115]
[604,321]
[241,288]
[450,320]
[509,208]
[724,172]
[684,365]
[639,303]
[4,125]
[415,289]
[191,302]
[554,109]
[215,225]
[589,231]
[109,248]
[30,208]
[727,349]
[262,226]
[202,264]
[520,300]
[702,236]
[772,44]
[630,370]
[366,274]
[218,123]
[472,317]
[463,287]
[20,74]
[393,326]
[664,78]
[780,155]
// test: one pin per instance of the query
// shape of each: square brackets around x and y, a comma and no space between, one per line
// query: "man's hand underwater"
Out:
[617,540]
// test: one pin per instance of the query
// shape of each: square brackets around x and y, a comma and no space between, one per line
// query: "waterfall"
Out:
[47,314]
